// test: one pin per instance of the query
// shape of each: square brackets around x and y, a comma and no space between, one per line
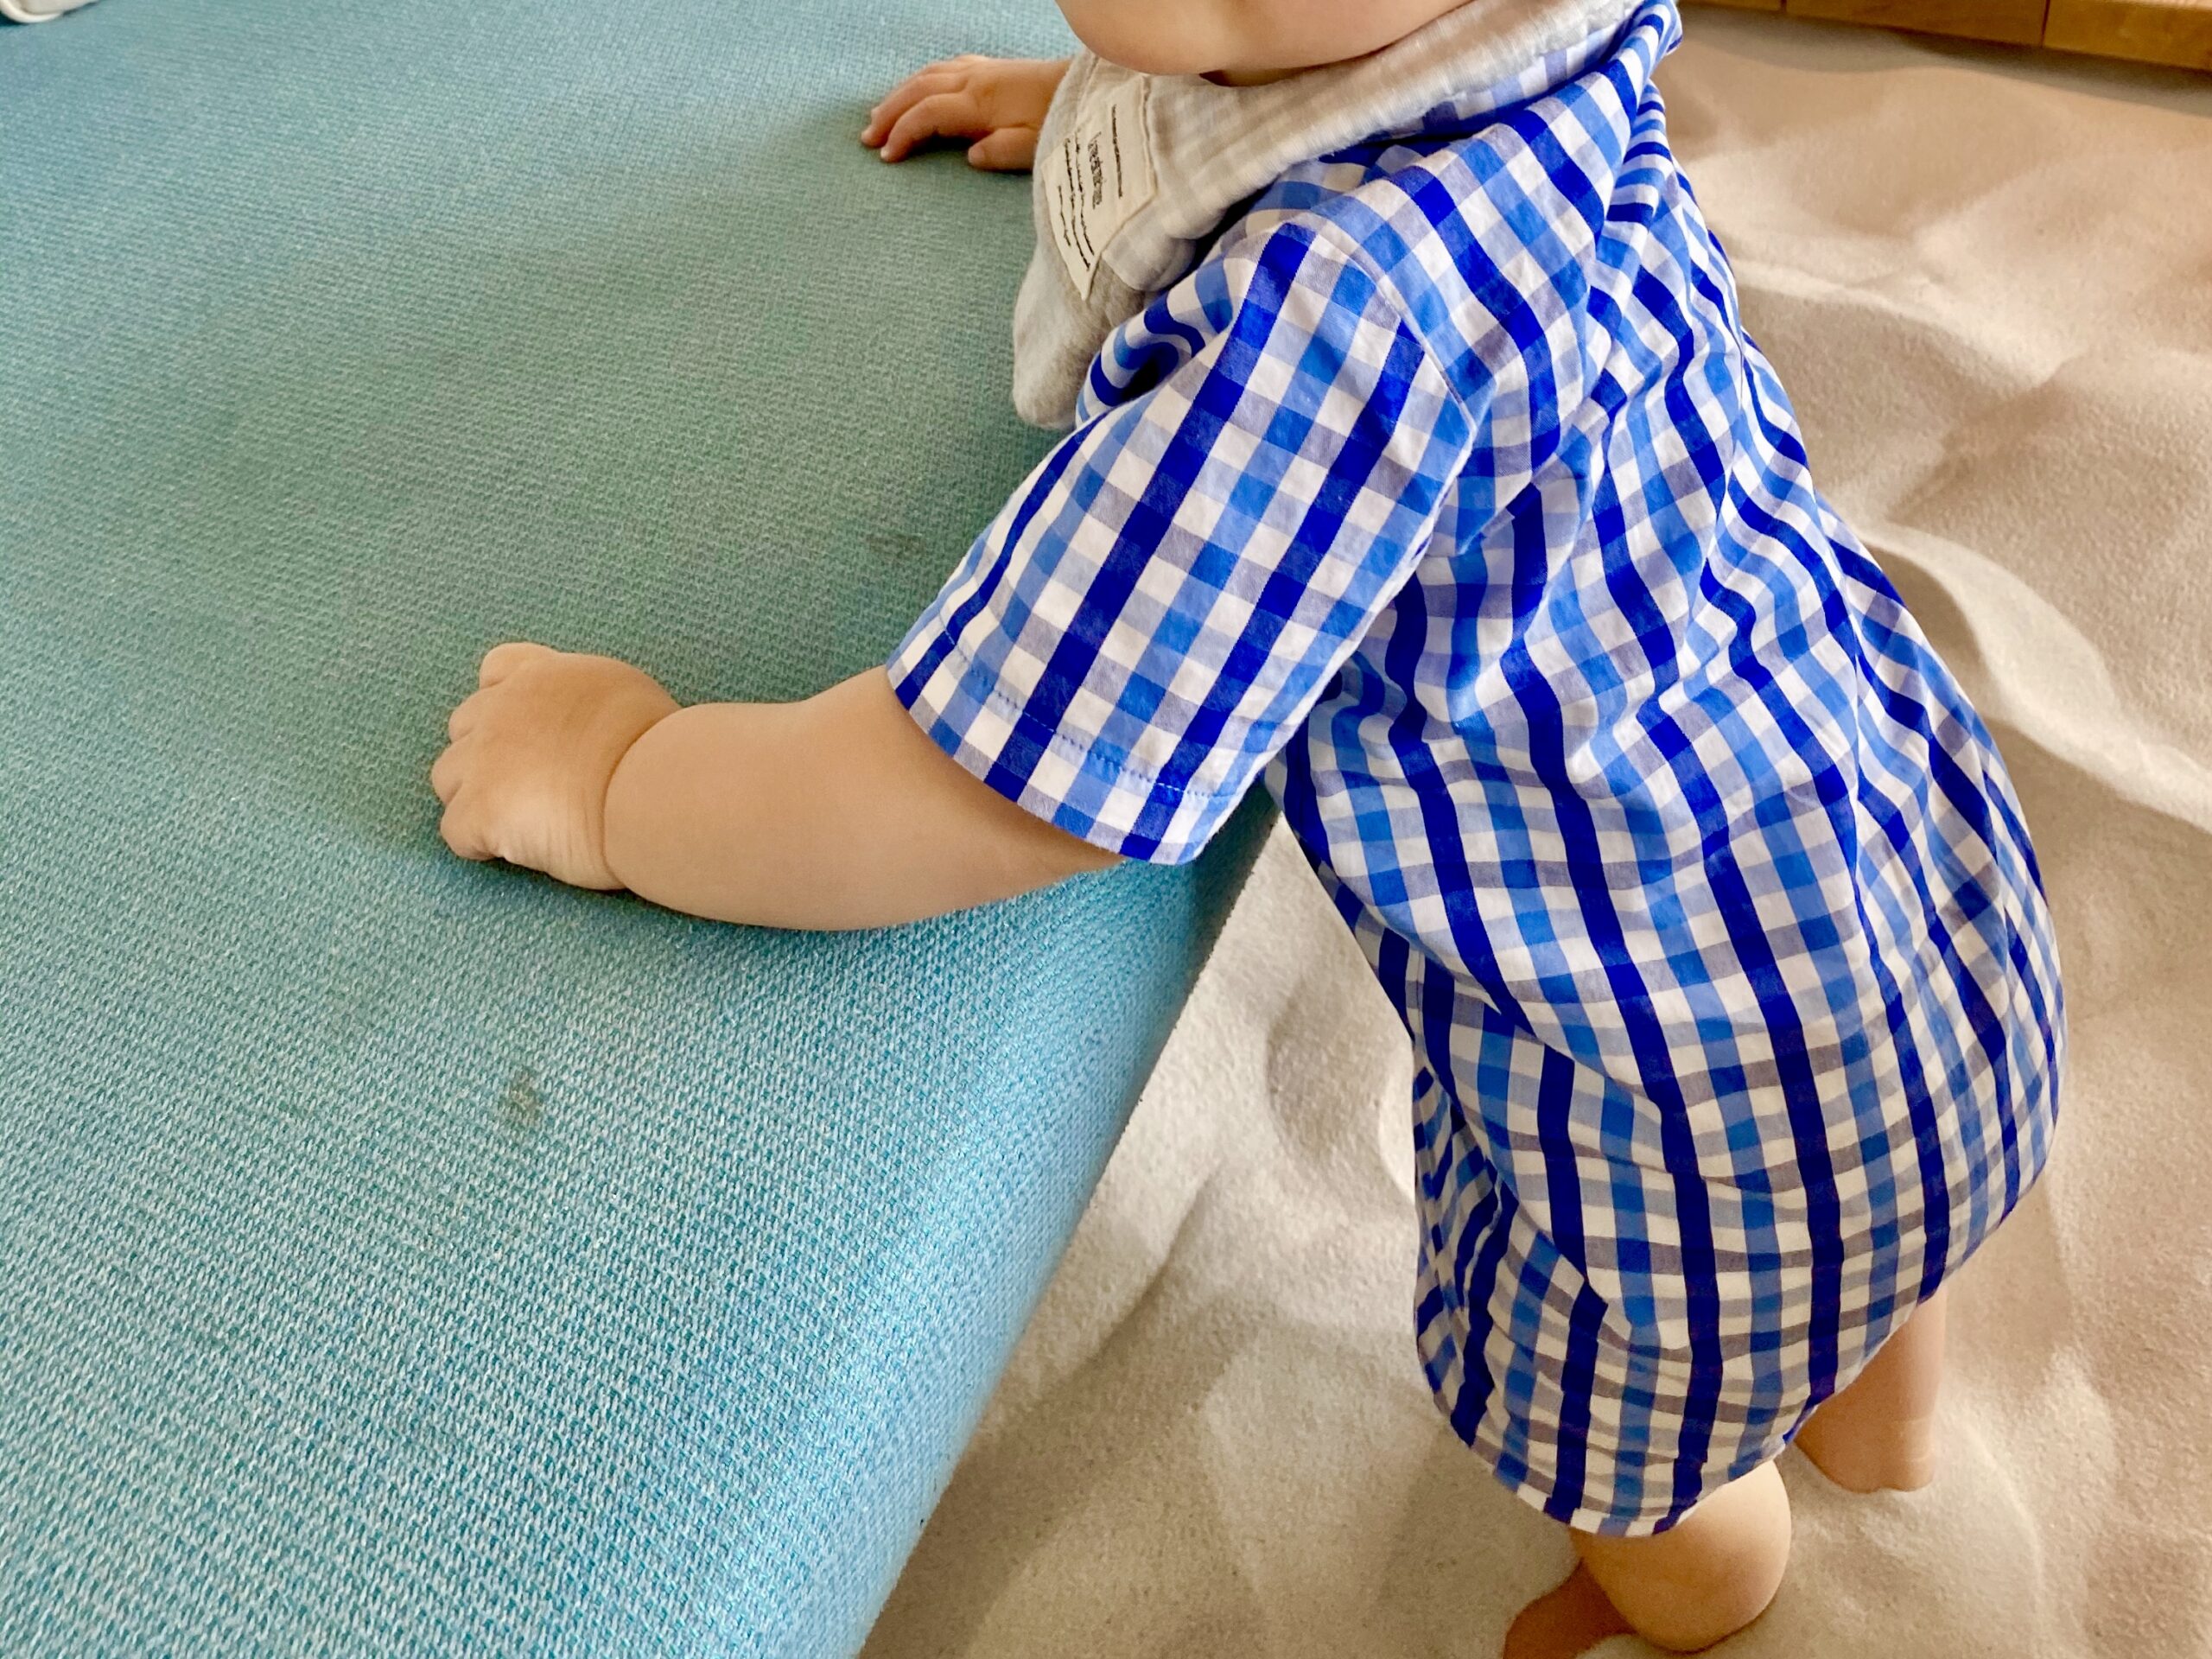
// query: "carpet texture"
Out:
[398,1256]
[1988,279]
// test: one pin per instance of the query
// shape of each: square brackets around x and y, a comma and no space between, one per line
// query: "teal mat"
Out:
[398,1256]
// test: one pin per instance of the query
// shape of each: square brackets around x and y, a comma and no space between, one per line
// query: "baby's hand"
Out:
[533,751]
[997,103]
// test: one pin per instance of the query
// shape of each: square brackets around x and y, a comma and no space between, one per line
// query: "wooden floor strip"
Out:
[2174,32]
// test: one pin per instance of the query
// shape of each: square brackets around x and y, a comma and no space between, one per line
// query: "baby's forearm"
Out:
[837,813]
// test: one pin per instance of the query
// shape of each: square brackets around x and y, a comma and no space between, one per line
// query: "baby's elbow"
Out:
[1072,855]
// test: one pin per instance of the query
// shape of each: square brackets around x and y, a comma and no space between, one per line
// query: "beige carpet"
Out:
[1987,280]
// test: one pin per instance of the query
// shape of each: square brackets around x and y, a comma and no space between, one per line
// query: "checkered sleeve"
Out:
[1166,597]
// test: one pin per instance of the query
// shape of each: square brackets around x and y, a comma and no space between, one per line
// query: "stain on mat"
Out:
[523,1106]
[896,546]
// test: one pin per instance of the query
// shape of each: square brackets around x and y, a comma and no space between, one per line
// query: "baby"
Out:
[1419,460]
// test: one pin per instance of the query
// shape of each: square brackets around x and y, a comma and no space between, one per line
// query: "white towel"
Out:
[37,11]
[1136,173]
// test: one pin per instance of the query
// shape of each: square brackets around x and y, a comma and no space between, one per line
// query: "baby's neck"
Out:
[1262,76]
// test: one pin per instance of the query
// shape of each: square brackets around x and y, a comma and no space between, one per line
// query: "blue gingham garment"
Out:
[1449,491]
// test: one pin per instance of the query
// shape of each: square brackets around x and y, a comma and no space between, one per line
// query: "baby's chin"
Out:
[1253,39]
[1156,37]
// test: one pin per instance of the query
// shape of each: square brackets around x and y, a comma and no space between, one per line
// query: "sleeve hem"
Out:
[1133,789]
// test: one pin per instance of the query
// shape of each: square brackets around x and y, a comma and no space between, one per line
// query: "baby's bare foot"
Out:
[1566,1622]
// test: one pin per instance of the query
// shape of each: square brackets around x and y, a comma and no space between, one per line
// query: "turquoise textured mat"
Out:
[398,1256]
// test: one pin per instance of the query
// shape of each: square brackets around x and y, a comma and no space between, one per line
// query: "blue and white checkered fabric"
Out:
[1449,491]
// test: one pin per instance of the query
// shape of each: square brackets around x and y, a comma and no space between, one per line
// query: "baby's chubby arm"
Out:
[837,812]
[997,104]
[834,813]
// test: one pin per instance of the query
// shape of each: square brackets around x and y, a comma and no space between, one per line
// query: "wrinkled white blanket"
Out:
[1988,279]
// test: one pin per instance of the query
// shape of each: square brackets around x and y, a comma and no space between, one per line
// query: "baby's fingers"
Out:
[947,115]
[467,717]
[467,835]
[502,660]
[462,825]
[939,77]
[1010,150]
[447,775]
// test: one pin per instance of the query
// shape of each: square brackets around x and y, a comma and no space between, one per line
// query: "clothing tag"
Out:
[1102,178]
